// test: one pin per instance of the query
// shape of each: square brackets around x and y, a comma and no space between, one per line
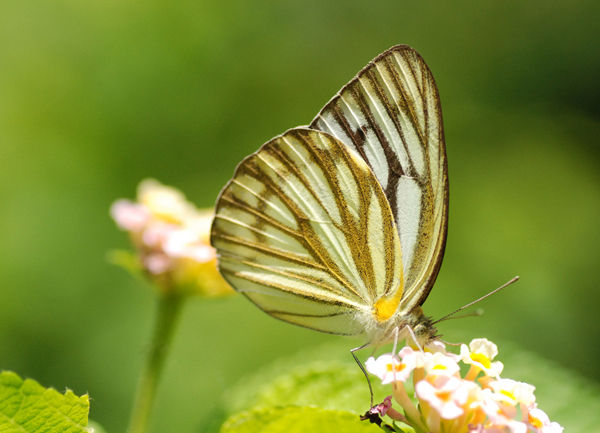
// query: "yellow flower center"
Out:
[439,367]
[395,367]
[508,394]
[482,359]
[535,421]
[444,395]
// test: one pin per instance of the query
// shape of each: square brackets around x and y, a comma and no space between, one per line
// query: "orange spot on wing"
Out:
[385,307]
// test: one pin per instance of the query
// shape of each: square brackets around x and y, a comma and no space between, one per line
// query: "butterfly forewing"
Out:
[390,115]
[305,231]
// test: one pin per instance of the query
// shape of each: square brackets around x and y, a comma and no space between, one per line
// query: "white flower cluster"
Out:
[479,402]
[171,237]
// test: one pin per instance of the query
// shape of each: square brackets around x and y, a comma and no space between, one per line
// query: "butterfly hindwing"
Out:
[390,114]
[305,231]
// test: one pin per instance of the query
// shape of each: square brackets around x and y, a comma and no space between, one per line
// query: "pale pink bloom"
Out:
[538,419]
[440,364]
[157,263]
[157,233]
[389,368]
[480,353]
[446,395]
[129,216]
[172,237]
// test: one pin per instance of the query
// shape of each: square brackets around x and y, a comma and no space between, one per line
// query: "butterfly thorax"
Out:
[384,332]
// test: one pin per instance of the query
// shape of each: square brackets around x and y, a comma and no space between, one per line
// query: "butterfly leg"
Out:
[414,337]
[362,367]
[395,346]
[396,333]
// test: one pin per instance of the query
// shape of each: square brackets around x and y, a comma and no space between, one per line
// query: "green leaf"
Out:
[294,419]
[328,385]
[28,407]
[324,376]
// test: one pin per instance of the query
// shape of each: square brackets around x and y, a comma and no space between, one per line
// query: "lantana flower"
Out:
[538,418]
[171,238]
[445,394]
[479,355]
[440,364]
[445,401]
[390,368]
[512,392]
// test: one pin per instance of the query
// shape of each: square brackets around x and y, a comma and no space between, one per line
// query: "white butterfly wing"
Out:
[305,231]
[390,114]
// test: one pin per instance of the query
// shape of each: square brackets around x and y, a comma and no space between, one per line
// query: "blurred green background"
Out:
[96,95]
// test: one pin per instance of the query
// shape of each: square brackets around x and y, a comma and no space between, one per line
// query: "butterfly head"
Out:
[422,326]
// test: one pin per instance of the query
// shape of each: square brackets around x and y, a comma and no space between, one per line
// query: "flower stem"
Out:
[412,413]
[169,306]
[472,373]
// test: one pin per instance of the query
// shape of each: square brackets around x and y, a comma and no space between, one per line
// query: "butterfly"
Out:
[340,226]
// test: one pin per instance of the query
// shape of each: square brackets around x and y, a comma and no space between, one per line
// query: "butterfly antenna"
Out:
[476,313]
[362,368]
[508,283]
